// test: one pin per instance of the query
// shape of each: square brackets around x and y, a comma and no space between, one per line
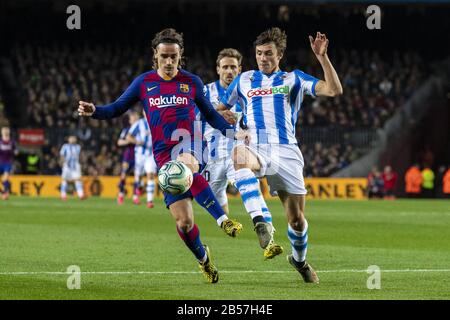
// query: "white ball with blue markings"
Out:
[175,177]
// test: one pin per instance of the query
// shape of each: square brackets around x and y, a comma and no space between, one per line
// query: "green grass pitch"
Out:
[131,252]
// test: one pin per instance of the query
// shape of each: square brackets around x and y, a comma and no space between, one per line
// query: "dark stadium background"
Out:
[412,43]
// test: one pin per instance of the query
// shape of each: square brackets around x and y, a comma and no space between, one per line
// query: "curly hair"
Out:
[275,35]
[168,35]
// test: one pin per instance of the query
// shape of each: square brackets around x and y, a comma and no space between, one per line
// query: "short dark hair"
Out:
[275,35]
[229,53]
[168,35]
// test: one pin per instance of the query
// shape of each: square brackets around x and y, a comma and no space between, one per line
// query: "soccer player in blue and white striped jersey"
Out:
[71,169]
[271,100]
[219,169]
[140,135]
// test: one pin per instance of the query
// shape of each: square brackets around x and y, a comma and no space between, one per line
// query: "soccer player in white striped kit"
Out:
[144,162]
[271,99]
[220,169]
[71,169]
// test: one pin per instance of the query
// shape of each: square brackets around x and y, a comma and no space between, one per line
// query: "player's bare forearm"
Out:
[122,142]
[332,85]
[133,140]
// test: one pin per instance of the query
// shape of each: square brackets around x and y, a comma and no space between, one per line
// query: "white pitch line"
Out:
[196,272]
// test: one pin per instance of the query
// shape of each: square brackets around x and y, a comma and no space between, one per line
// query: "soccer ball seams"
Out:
[175,177]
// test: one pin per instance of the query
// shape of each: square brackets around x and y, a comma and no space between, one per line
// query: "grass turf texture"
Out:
[345,237]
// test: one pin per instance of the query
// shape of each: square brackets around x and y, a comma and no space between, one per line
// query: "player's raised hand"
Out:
[319,45]
[229,116]
[85,109]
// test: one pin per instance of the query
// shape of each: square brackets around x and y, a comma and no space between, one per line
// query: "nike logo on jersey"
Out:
[150,89]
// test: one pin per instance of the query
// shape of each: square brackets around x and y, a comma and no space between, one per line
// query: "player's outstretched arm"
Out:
[332,86]
[115,109]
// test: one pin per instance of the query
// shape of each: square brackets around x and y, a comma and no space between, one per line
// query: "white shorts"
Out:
[71,173]
[282,164]
[144,164]
[218,173]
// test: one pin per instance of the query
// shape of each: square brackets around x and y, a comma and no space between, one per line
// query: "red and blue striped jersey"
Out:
[169,107]
[7,151]
[128,150]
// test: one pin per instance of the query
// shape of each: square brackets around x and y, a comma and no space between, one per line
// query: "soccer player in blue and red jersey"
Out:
[169,96]
[127,155]
[7,152]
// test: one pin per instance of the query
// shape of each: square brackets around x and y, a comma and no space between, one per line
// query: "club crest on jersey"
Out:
[184,88]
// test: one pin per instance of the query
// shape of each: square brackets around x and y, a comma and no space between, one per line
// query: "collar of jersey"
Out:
[167,78]
[220,88]
[271,74]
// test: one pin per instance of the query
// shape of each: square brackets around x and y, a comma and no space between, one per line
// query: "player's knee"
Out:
[185,224]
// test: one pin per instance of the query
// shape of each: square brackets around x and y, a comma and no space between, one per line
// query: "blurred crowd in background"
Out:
[419,181]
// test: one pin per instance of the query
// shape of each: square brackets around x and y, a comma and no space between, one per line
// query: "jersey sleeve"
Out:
[134,130]
[122,104]
[207,110]
[231,96]
[123,133]
[62,152]
[307,83]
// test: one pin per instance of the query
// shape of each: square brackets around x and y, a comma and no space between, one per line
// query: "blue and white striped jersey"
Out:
[71,154]
[124,133]
[141,132]
[271,103]
[219,146]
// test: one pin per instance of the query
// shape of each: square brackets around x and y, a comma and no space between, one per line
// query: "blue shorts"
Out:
[201,156]
[5,168]
[170,198]
[130,164]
